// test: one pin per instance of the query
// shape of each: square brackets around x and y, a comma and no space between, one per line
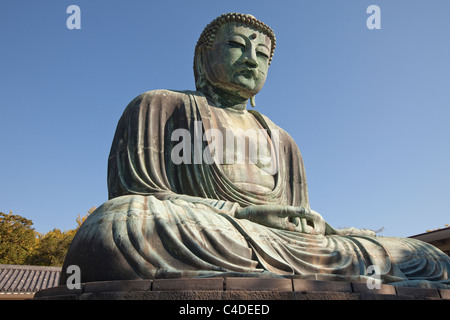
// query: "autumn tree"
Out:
[17,238]
[81,219]
[52,246]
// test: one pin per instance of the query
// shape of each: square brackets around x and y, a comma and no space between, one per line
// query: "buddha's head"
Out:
[233,55]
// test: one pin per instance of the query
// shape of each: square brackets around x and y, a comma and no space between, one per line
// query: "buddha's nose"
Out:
[250,59]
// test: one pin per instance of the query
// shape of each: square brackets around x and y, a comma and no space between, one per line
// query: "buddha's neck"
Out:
[224,99]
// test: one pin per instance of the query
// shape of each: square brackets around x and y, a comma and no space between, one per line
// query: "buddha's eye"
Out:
[235,44]
[262,54]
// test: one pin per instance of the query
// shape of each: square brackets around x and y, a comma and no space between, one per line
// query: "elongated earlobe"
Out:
[200,81]
[252,101]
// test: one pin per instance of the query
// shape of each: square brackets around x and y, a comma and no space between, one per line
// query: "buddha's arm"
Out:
[214,205]
[275,216]
[291,218]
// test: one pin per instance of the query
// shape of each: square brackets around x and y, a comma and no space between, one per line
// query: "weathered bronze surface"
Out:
[199,186]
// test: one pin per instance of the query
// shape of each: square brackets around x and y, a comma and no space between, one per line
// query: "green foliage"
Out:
[21,244]
[17,238]
[51,249]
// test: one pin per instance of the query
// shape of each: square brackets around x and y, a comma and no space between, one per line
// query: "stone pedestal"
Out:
[221,289]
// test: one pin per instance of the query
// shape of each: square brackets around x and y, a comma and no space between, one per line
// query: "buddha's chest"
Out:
[244,150]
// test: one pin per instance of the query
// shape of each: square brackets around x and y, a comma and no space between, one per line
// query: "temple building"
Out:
[21,282]
[440,238]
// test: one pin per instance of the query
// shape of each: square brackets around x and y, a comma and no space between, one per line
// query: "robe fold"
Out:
[165,220]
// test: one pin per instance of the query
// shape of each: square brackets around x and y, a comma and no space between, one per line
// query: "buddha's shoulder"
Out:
[166,95]
[163,100]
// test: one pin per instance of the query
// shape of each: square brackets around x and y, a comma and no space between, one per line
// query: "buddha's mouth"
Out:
[248,73]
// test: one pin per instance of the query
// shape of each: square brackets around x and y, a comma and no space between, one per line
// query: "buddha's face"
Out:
[238,60]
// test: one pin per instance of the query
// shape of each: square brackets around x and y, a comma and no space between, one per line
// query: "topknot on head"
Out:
[209,33]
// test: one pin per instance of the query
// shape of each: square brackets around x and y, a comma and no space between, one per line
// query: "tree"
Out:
[51,249]
[52,246]
[17,238]
[81,219]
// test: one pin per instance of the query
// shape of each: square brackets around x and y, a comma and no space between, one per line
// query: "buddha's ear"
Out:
[252,101]
[200,75]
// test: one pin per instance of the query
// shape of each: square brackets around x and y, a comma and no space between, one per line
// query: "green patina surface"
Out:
[173,214]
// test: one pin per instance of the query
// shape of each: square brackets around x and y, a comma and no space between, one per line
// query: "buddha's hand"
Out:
[285,217]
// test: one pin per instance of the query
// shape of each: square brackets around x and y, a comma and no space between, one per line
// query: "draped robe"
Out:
[165,220]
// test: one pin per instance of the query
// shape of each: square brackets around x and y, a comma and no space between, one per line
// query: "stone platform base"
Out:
[233,288]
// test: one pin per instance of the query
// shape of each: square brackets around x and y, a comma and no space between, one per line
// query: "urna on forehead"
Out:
[208,35]
[236,28]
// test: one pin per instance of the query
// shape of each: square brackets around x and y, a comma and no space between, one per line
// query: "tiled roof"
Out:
[27,279]
[439,238]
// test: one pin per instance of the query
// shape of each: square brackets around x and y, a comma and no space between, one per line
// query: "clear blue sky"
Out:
[369,109]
